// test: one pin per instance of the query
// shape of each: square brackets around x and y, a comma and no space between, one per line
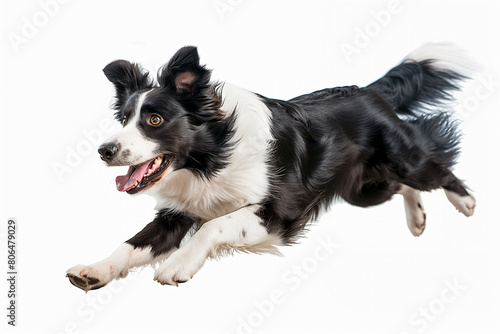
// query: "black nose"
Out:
[107,151]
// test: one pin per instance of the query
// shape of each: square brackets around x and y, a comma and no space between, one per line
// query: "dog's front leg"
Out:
[241,230]
[151,245]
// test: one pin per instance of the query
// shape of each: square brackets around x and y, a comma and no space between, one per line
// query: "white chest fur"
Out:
[245,179]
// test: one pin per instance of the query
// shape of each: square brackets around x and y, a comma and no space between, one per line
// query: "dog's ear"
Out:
[127,78]
[183,72]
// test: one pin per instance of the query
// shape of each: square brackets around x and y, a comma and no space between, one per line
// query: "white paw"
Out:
[416,223]
[415,215]
[180,267]
[415,218]
[464,204]
[93,277]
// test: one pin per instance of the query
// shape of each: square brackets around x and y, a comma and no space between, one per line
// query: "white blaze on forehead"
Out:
[134,146]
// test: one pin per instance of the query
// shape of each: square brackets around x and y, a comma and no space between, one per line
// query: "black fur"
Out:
[200,146]
[412,86]
[128,79]
[349,142]
[164,233]
[192,130]
[358,144]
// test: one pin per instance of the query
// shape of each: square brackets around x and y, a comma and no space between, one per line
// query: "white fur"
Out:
[131,138]
[447,57]
[244,181]
[464,204]
[415,216]
[115,266]
[239,230]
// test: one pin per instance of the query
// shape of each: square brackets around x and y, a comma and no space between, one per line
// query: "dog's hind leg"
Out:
[373,193]
[152,245]
[415,215]
[240,230]
[425,157]
[436,177]
[457,194]
[429,175]
[464,204]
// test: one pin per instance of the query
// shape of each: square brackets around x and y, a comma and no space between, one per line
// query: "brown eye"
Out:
[124,120]
[155,120]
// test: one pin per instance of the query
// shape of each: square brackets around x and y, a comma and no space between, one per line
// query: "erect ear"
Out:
[183,72]
[127,78]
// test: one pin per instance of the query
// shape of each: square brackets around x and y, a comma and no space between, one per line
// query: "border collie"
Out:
[234,170]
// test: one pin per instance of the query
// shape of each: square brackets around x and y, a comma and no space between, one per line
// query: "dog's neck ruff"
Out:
[243,181]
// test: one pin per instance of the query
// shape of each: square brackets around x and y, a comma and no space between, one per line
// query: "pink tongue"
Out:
[135,173]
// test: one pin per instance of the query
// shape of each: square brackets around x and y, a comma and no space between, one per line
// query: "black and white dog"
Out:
[233,170]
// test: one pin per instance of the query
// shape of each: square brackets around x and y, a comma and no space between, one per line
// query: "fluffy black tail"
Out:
[425,80]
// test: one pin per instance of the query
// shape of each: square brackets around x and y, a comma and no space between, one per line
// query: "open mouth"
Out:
[145,175]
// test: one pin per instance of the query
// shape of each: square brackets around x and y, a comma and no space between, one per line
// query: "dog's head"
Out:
[162,123]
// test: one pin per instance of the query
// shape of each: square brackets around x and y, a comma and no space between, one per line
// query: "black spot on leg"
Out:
[243,233]
[419,205]
[164,233]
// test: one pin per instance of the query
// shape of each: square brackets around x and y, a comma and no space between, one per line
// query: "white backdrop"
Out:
[358,270]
